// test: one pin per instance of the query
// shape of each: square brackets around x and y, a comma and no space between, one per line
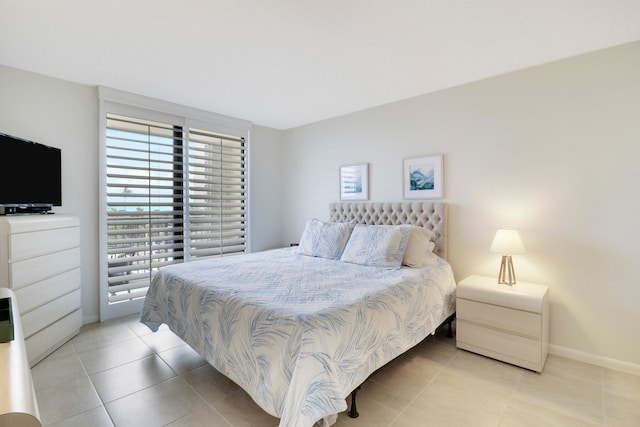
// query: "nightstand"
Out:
[508,323]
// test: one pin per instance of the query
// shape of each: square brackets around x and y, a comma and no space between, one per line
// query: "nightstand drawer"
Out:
[500,345]
[503,318]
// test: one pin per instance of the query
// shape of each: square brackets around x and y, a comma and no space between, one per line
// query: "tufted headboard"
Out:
[431,215]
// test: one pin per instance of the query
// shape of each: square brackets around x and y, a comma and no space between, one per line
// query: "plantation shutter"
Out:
[217,194]
[145,230]
[148,225]
[174,187]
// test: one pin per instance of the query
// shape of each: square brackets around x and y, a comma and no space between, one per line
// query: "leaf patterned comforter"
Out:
[298,333]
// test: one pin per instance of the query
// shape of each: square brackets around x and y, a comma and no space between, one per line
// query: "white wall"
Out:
[266,188]
[551,151]
[65,115]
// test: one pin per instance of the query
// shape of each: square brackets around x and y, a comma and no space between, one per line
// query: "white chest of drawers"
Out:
[508,323]
[40,262]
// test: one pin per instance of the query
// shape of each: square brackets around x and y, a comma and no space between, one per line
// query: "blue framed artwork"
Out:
[423,177]
[354,182]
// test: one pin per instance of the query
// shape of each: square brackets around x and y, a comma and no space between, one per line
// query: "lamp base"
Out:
[507,275]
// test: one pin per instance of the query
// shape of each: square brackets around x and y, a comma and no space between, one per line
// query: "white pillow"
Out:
[420,242]
[324,239]
[377,245]
[430,259]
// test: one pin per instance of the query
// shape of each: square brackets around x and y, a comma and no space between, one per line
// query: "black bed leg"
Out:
[353,412]
[450,322]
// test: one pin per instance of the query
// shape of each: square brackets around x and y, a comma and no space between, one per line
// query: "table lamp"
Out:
[507,243]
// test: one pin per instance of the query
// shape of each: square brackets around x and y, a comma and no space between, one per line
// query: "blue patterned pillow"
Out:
[324,239]
[377,245]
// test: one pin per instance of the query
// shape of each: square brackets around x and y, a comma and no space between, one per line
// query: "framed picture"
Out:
[423,177]
[354,182]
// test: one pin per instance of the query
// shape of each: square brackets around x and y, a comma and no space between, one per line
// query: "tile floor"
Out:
[118,373]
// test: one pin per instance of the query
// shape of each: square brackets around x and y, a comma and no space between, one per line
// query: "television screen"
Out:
[30,173]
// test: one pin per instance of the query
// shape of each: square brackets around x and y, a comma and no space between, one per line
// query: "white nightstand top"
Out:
[521,296]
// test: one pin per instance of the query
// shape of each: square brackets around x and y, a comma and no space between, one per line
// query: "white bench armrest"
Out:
[18,405]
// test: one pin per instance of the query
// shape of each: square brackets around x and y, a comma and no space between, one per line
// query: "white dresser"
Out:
[508,323]
[40,262]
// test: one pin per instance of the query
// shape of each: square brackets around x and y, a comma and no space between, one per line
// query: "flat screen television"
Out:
[30,176]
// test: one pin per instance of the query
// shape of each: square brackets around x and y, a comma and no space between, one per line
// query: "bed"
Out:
[299,332]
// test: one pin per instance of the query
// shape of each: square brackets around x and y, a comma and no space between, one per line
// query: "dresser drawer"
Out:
[498,344]
[39,293]
[33,270]
[41,317]
[53,336]
[30,245]
[507,319]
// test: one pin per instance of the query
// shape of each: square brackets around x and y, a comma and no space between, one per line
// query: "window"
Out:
[174,190]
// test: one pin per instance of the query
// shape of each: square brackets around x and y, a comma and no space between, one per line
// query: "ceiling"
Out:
[285,63]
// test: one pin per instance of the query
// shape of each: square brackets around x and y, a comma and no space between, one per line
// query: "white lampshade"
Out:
[507,242]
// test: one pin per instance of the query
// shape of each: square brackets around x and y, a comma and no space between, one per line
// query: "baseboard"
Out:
[90,319]
[602,361]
